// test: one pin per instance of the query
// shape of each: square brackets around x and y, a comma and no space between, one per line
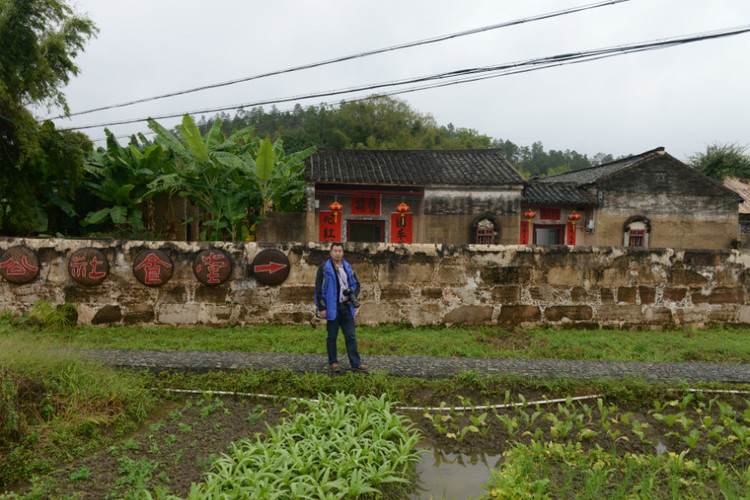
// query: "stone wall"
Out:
[508,286]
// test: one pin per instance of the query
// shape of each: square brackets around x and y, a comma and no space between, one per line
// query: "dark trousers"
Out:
[345,321]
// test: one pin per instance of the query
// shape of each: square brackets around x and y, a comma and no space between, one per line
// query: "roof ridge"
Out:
[659,149]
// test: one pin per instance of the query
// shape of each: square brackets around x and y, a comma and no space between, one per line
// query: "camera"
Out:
[351,294]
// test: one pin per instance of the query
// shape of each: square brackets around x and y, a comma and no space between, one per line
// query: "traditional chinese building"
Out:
[477,197]
[742,188]
[646,200]
[454,197]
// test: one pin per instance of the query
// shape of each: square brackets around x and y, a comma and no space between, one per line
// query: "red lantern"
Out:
[335,208]
[574,216]
[529,214]
[402,209]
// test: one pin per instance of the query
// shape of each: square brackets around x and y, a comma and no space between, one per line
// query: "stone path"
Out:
[422,366]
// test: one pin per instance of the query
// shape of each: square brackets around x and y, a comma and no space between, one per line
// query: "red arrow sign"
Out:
[270,268]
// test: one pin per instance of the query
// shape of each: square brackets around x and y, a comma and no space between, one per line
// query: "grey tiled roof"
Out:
[471,167]
[539,193]
[592,174]
[742,188]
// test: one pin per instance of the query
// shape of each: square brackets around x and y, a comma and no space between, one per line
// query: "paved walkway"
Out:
[422,366]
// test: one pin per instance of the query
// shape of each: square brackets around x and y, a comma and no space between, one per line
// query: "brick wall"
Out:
[418,284]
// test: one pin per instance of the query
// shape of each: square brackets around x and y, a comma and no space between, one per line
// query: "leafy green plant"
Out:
[257,412]
[135,474]
[119,177]
[510,424]
[313,454]
[130,444]
[45,314]
[80,475]
[638,429]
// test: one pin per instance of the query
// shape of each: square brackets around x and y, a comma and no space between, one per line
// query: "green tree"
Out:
[40,167]
[234,180]
[119,177]
[721,160]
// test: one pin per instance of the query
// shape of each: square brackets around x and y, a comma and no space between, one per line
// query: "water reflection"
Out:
[453,475]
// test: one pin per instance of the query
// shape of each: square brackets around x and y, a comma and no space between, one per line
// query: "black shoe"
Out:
[361,368]
[335,368]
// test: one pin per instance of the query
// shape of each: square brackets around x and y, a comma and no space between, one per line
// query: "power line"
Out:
[464,75]
[427,41]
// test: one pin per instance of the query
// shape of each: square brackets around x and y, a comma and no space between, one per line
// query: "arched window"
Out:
[485,232]
[636,232]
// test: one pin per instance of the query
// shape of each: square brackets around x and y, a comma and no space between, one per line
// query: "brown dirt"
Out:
[183,436]
[182,453]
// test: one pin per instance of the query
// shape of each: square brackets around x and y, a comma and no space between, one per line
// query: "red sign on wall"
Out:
[524,232]
[401,227]
[330,227]
[571,233]
[365,205]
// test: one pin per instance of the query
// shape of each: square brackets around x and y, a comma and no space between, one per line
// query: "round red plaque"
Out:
[212,266]
[19,265]
[152,267]
[88,266]
[271,267]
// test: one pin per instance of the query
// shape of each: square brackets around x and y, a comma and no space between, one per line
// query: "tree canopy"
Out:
[41,167]
[388,123]
[722,160]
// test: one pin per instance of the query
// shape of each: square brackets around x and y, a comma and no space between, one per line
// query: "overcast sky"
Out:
[682,98]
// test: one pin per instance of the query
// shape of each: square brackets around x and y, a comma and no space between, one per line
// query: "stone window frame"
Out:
[636,229]
[488,227]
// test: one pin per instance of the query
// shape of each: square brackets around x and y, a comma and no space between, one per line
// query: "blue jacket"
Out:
[327,288]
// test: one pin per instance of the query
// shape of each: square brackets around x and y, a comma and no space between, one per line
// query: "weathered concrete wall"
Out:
[457,229]
[686,209]
[507,286]
[287,226]
[695,227]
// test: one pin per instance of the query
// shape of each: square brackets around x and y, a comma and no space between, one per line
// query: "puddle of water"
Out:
[660,448]
[453,476]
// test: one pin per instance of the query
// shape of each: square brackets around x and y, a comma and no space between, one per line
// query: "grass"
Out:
[54,407]
[714,345]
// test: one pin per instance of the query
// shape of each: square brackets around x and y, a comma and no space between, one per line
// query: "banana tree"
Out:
[234,180]
[278,177]
[207,171]
[119,178]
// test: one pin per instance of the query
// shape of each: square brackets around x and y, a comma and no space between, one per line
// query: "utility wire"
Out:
[326,62]
[464,75]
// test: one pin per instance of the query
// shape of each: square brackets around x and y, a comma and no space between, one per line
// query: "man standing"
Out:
[336,290]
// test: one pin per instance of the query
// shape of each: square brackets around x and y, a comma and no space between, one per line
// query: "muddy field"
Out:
[179,443]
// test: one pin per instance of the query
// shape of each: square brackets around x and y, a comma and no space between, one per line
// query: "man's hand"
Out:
[323,314]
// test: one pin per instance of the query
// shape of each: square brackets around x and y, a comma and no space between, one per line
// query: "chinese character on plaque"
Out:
[88,266]
[524,232]
[152,267]
[19,265]
[571,233]
[212,266]
[330,227]
[366,205]
[401,228]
